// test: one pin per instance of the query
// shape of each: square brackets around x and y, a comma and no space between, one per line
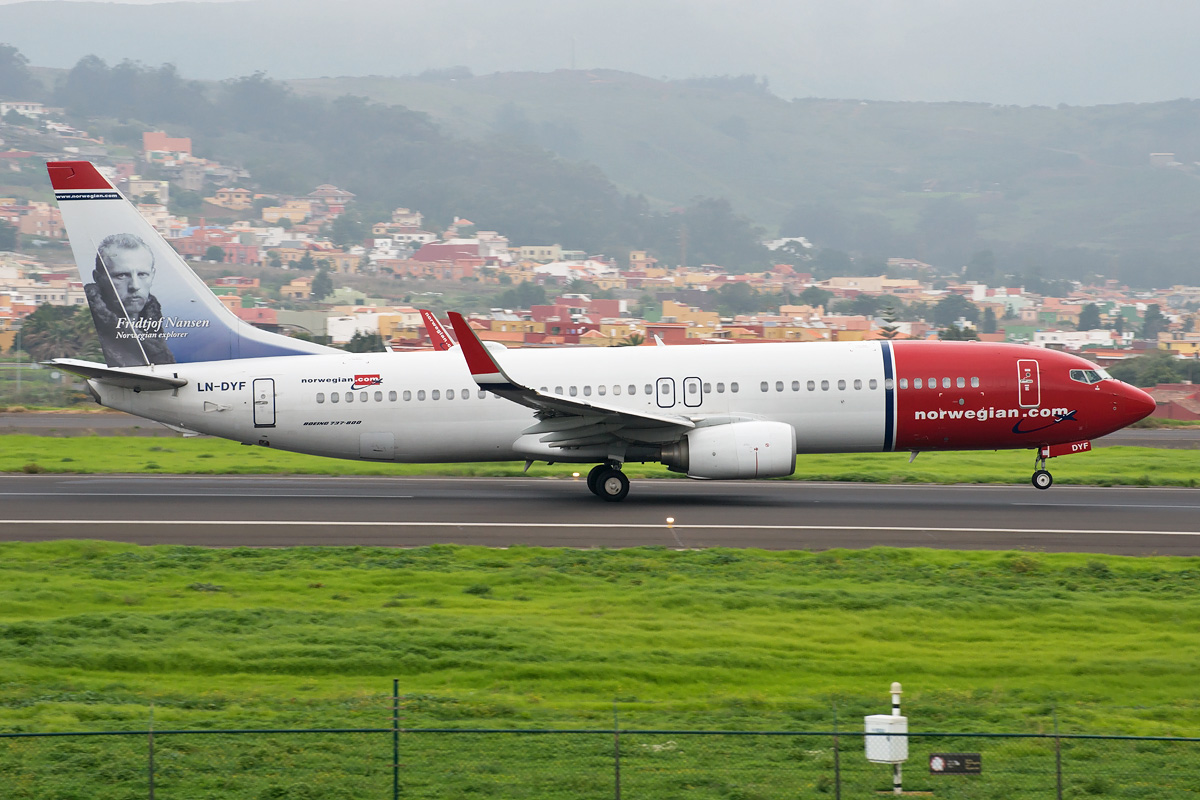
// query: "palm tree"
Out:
[632,340]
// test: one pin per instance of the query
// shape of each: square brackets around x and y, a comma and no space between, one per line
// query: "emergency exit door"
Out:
[264,402]
[1029,387]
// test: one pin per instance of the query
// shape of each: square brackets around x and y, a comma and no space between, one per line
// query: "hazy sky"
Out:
[1003,51]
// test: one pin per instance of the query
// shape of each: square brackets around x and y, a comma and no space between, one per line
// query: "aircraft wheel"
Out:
[1042,479]
[593,478]
[612,485]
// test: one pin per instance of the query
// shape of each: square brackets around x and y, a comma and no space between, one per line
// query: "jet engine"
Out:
[754,449]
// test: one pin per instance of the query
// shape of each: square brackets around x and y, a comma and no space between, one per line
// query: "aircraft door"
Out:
[1029,387]
[665,392]
[693,392]
[264,402]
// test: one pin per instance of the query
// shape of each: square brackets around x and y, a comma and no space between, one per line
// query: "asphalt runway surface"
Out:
[116,423]
[500,512]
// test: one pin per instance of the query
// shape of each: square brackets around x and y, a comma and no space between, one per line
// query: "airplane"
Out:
[175,354]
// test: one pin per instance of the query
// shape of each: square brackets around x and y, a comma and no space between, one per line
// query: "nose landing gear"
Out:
[608,482]
[1042,479]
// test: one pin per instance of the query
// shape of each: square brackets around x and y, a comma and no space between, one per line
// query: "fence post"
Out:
[616,752]
[150,753]
[395,739]
[837,758]
[1057,756]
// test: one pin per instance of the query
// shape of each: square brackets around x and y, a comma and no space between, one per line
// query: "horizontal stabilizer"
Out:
[113,376]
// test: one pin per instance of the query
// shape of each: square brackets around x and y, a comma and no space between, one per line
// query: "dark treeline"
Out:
[392,156]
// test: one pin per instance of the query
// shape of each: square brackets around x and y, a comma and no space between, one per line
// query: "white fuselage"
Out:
[425,406]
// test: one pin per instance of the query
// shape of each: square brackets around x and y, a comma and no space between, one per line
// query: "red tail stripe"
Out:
[78,176]
[478,360]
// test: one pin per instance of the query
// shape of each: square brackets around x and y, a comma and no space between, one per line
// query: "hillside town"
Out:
[309,265]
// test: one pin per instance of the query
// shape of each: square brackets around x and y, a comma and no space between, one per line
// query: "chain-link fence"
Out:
[382,763]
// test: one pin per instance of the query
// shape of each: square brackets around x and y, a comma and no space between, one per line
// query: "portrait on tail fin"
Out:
[128,318]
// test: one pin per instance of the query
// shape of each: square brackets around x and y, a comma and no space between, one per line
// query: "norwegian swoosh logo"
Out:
[1063,418]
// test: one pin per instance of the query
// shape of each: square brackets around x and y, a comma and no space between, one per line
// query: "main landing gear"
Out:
[1042,479]
[607,482]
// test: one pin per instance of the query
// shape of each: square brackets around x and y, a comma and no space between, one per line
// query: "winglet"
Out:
[484,369]
[437,334]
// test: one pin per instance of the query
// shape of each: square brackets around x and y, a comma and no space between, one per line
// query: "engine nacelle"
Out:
[738,450]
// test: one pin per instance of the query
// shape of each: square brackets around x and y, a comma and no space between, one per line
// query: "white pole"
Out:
[896,779]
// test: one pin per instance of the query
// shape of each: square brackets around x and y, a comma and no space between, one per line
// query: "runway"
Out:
[501,512]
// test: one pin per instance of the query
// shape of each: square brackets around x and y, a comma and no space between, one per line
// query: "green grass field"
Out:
[1135,466]
[98,635]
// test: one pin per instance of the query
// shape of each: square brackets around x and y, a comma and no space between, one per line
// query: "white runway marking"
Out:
[582,525]
[223,494]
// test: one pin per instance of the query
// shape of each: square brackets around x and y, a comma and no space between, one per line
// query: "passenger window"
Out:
[960,382]
[574,390]
[649,389]
[334,397]
[558,390]
[691,388]
[945,383]
[887,384]
[841,386]
[587,391]
[664,389]
[733,387]
[824,386]
[974,383]
[449,394]
[320,397]
[617,389]
[466,394]
[600,390]
[363,396]
[857,383]
[708,388]
[795,386]
[874,384]
[933,383]
[917,384]
[812,386]
[482,394]
[420,394]
[779,386]
[720,388]
[349,397]
[392,397]
[632,389]
[407,395]
[379,397]
[543,390]
[903,383]
[435,394]
[764,386]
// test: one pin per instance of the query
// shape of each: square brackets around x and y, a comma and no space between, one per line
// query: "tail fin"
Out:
[148,305]
[437,334]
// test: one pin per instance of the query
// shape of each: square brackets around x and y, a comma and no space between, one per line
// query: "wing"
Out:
[566,422]
[437,334]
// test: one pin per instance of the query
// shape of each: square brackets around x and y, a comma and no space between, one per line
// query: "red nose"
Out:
[1134,403]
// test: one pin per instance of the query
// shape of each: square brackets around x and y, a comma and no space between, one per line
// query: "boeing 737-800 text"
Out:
[175,354]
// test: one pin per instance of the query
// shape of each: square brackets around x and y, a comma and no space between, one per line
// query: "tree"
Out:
[215,253]
[953,333]
[989,320]
[1154,322]
[306,262]
[8,236]
[738,298]
[60,332]
[523,295]
[347,229]
[363,342]
[815,296]
[16,82]
[951,307]
[632,340]
[322,285]
[1089,318]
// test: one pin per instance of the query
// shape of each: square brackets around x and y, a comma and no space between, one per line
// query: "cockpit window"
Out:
[1089,375]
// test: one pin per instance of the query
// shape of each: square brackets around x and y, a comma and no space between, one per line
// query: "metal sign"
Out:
[955,764]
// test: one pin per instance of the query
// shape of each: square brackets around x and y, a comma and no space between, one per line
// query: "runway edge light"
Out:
[886,741]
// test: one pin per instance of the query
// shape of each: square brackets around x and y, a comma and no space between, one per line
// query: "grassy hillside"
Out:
[1067,176]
